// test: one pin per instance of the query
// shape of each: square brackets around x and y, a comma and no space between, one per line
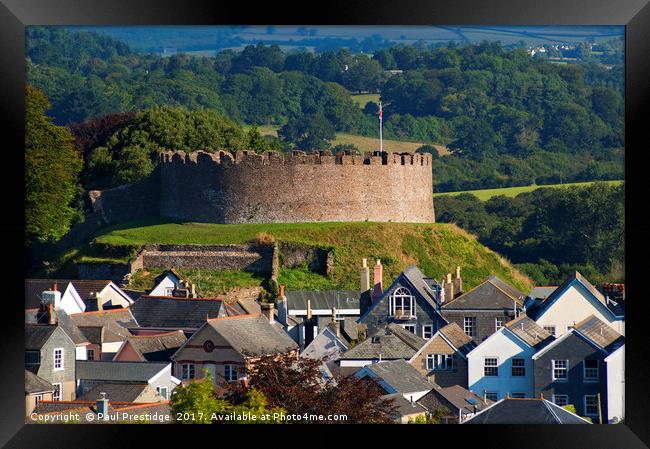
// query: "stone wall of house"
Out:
[444,378]
[297,187]
[485,320]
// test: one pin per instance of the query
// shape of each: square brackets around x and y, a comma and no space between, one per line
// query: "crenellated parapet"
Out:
[295,157]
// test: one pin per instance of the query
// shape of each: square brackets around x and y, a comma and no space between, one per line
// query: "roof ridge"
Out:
[180,299]
[156,335]
[246,315]
[119,309]
[446,303]
[502,290]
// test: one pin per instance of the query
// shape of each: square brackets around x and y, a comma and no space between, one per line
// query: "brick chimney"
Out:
[283,311]
[458,283]
[267,311]
[449,288]
[365,276]
[378,286]
[51,316]
[309,309]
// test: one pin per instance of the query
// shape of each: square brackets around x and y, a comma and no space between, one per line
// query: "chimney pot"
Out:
[267,310]
[309,309]
[52,317]
[282,291]
[365,262]
[378,288]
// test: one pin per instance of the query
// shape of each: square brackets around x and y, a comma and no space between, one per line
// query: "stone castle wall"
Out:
[297,187]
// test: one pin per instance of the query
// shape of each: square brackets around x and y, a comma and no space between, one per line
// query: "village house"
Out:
[47,314]
[37,389]
[151,348]
[147,379]
[106,330]
[46,291]
[227,347]
[572,302]
[443,358]
[453,404]
[170,283]
[162,313]
[50,354]
[502,365]
[483,310]
[392,342]
[95,294]
[327,347]
[574,369]
[411,301]
[397,376]
[525,411]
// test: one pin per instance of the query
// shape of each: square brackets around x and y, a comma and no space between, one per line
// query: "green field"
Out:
[362,99]
[486,194]
[435,247]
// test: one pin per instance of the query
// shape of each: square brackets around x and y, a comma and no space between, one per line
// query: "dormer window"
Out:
[401,304]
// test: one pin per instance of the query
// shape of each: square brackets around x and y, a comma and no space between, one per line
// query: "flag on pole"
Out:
[380,110]
[381,137]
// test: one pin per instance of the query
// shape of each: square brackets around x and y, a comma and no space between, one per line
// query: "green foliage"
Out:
[570,407]
[197,398]
[51,173]
[311,132]
[549,232]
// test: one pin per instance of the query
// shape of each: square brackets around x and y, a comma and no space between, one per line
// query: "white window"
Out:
[591,405]
[230,373]
[169,291]
[58,392]
[490,367]
[518,367]
[498,323]
[590,370]
[410,327]
[441,362]
[90,354]
[162,391]
[427,331]
[58,358]
[561,399]
[187,371]
[469,325]
[550,330]
[518,395]
[401,303]
[560,368]
[491,396]
[38,398]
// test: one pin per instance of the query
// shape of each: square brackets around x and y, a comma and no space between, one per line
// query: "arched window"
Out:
[401,303]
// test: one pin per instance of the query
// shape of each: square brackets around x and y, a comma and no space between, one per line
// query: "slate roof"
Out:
[403,407]
[115,391]
[85,288]
[492,294]
[35,384]
[390,342]
[458,338]
[36,335]
[542,292]
[423,285]
[323,300]
[401,376]
[600,333]
[118,371]
[457,397]
[250,305]
[83,407]
[525,411]
[35,316]
[157,348]
[94,334]
[529,331]
[115,322]
[175,313]
[252,335]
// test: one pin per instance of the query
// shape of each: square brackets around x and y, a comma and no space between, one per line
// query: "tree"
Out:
[297,385]
[52,167]
[311,132]
[198,399]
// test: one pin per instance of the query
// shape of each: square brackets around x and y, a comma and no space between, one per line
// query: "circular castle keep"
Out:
[295,187]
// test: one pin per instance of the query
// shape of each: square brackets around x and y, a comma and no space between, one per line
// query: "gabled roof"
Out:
[249,306]
[94,334]
[457,397]
[454,336]
[157,348]
[525,411]
[600,333]
[36,335]
[325,346]
[542,292]
[114,321]
[596,297]
[399,375]
[87,289]
[252,335]
[553,343]
[492,294]
[323,300]
[176,313]
[35,384]
[402,406]
[115,391]
[118,371]
[528,331]
[36,316]
[390,342]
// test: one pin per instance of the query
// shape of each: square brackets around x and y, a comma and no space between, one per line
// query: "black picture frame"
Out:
[16,14]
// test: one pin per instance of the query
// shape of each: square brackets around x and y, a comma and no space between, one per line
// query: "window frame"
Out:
[555,396]
[58,397]
[489,394]
[228,370]
[497,326]
[566,370]
[486,366]
[584,371]
[401,293]
[514,367]
[550,329]
[88,352]
[61,360]
[584,403]
[160,392]
[190,370]
[473,325]
[428,327]
[410,327]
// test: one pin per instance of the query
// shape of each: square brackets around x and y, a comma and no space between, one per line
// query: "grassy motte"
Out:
[436,248]
[486,194]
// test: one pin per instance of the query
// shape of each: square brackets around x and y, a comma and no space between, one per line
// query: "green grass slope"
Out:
[436,248]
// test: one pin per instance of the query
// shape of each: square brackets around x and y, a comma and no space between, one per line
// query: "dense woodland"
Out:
[508,118]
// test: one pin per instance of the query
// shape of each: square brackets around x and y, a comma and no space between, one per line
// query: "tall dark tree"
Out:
[311,132]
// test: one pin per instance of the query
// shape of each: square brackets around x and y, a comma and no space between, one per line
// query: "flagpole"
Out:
[381,139]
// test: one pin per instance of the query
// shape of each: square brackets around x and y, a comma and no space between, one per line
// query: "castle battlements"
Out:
[295,157]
